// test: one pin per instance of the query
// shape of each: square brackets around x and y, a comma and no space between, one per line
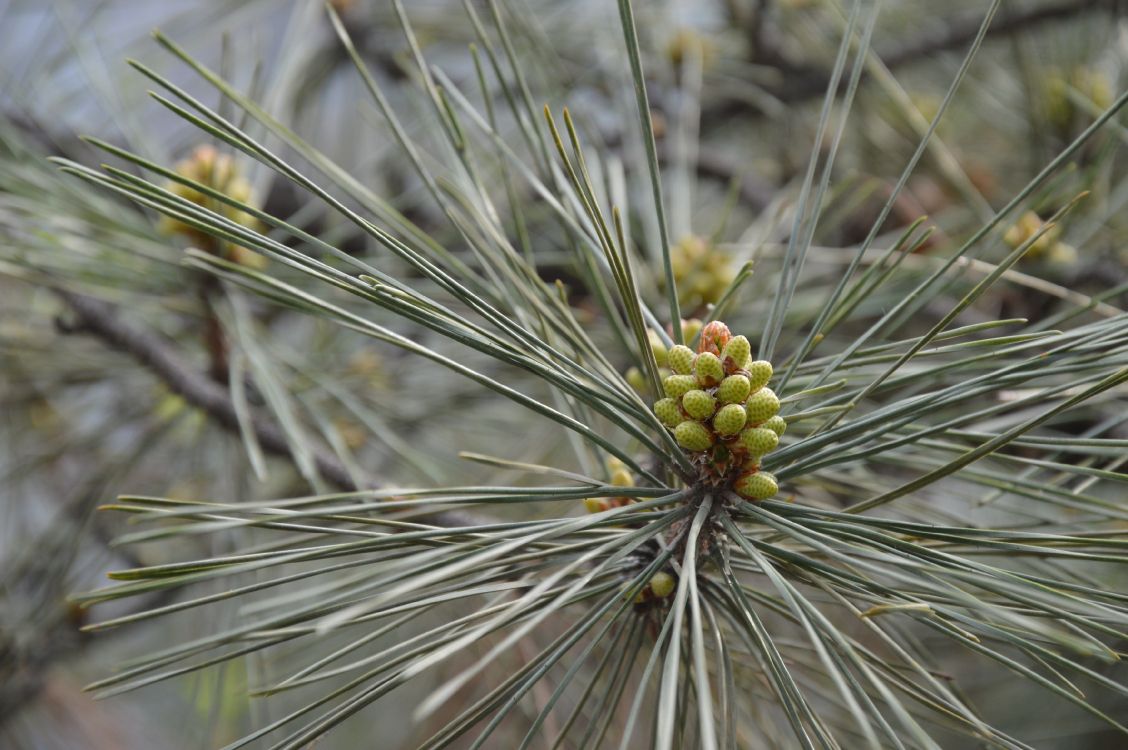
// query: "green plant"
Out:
[941,483]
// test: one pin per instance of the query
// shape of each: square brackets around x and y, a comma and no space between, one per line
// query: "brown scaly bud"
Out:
[714,338]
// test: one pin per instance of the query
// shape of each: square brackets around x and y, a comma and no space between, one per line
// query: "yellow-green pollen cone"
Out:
[680,359]
[595,504]
[758,486]
[690,329]
[736,353]
[221,173]
[699,404]
[668,411]
[721,411]
[709,370]
[620,477]
[758,441]
[759,373]
[677,386]
[662,585]
[635,379]
[776,424]
[762,406]
[730,419]
[693,436]
[734,389]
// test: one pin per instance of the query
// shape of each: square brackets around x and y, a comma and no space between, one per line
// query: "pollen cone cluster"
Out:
[702,272]
[1067,92]
[721,411]
[1047,247]
[220,173]
[690,329]
[620,477]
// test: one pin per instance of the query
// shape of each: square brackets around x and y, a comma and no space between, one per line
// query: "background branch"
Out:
[799,83]
[99,319]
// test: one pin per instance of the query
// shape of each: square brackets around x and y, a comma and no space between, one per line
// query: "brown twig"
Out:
[157,355]
[99,319]
[799,83]
[962,30]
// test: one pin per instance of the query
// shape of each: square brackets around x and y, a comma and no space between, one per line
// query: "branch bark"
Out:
[160,357]
[98,319]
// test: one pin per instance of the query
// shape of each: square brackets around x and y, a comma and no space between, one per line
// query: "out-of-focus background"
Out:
[736,94]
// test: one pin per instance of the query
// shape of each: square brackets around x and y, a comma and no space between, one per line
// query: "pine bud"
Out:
[734,389]
[759,440]
[759,373]
[776,424]
[730,419]
[756,486]
[676,386]
[709,370]
[736,353]
[714,338]
[699,404]
[668,412]
[762,406]
[662,584]
[693,436]
[680,359]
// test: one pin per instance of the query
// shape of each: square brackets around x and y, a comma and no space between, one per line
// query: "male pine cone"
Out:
[719,408]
